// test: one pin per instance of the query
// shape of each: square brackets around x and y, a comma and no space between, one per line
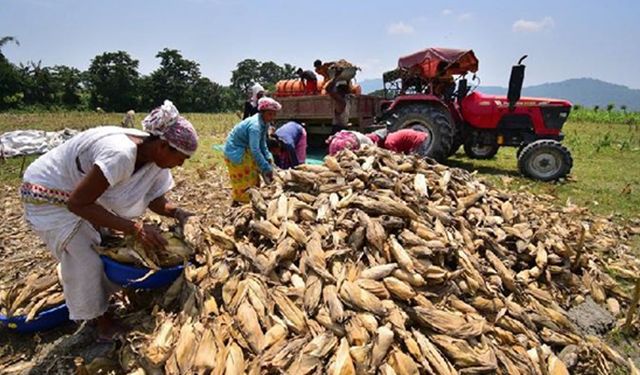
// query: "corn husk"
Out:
[388,263]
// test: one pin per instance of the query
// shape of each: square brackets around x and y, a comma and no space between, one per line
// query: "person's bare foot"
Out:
[108,329]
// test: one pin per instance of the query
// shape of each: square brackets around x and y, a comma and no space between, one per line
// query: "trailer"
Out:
[317,112]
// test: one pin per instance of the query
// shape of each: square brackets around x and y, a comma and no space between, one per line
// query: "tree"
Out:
[146,101]
[10,79]
[247,73]
[577,107]
[610,107]
[289,71]
[267,73]
[596,108]
[623,108]
[229,99]
[38,85]
[6,40]
[271,73]
[205,96]
[175,80]
[112,80]
[212,97]
[68,86]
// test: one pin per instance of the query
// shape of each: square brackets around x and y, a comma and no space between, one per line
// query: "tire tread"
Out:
[528,149]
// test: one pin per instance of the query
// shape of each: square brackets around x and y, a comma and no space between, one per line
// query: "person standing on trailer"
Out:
[309,81]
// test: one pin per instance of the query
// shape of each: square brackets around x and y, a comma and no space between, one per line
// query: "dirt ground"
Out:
[54,351]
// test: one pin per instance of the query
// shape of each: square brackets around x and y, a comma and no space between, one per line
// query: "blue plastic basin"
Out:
[47,319]
[125,275]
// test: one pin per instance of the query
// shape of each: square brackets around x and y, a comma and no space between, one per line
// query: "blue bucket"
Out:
[47,319]
[125,275]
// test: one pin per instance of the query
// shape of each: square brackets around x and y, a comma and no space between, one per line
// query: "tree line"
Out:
[113,83]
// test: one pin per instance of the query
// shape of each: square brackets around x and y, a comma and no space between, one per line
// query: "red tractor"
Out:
[429,91]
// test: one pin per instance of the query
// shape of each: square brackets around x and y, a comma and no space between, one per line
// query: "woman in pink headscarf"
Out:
[347,139]
[104,177]
[246,153]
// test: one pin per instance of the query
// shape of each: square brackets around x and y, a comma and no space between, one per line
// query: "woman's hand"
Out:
[162,206]
[268,177]
[182,216]
[149,236]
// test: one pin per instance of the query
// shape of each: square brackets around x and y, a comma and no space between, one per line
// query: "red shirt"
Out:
[404,140]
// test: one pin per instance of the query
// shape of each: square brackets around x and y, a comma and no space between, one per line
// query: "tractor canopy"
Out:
[439,62]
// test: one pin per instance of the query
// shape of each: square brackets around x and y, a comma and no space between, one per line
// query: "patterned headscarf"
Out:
[343,140]
[166,122]
[268,104]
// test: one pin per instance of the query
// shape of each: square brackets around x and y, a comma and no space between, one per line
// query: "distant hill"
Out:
[370,85]
[587,92]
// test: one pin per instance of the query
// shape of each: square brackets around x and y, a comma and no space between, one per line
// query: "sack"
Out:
[343,74]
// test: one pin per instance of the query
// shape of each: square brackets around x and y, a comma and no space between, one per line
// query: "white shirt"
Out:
[109,148]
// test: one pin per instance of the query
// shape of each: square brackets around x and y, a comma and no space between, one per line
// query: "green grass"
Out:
[605,176]
[626,345]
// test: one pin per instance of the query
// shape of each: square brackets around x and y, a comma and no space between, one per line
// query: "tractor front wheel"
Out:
[545,160]
[480,151]
[431,119]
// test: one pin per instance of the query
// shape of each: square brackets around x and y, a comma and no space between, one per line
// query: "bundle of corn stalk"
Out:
[127,250]
[381,263]
[31,295]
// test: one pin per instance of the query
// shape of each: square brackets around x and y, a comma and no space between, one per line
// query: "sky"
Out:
[563,38]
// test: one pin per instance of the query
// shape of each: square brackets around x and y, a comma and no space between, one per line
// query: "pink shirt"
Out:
[404,140]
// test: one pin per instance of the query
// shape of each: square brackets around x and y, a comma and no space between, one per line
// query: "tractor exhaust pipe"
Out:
[522,59]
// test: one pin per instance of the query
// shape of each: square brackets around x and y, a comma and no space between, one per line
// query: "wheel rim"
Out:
[423,128]
[482,150]
[545,163]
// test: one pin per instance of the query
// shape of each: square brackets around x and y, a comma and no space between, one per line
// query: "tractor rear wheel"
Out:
[480,151]
[457,143]
[434,120]
[545,160]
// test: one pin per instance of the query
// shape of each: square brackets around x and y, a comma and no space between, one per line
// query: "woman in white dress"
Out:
[104,177]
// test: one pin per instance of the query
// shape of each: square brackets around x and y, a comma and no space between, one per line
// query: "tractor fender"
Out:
[402,101]
[416,99]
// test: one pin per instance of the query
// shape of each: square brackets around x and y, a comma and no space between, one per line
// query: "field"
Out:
[612,116]
[605,176]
